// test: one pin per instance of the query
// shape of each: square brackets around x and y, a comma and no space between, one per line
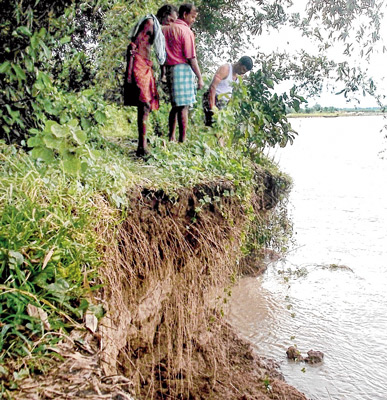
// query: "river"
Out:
[330,292]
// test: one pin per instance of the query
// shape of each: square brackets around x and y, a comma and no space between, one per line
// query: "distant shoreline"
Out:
[335,114]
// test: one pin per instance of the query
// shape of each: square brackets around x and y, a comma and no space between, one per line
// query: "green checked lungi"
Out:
[182,85]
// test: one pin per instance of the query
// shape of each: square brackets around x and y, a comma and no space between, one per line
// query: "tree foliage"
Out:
[256,118]
[50,50]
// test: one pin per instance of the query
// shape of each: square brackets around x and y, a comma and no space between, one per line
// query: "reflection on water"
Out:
[339,209]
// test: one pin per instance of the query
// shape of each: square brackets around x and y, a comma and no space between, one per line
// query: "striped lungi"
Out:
[182,85]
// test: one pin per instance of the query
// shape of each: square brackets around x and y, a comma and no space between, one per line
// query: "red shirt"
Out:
[179,43]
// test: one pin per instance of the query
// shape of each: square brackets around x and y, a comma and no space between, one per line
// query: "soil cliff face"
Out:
[168,266]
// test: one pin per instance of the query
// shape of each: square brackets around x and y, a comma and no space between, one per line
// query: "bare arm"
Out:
[220,74]
[193,62]
[130,56]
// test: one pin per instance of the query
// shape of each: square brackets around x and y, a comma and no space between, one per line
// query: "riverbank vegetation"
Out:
[319,111]
[77,208]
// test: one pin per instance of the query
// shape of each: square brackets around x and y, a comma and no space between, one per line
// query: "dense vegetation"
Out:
[66,142]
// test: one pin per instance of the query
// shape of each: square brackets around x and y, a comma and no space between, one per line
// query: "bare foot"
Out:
[141,152]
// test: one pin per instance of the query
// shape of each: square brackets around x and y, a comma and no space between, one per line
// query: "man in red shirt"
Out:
[182,66]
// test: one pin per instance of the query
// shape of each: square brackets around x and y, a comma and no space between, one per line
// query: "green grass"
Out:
[46,247]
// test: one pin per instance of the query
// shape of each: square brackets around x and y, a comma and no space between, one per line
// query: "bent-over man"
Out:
[220,90]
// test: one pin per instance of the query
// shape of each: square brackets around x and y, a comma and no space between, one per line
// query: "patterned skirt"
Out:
[181,85]
[145,81]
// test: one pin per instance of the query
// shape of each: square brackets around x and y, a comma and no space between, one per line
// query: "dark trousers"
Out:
[208,113]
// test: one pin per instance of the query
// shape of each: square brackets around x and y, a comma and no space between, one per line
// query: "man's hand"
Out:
[195,68]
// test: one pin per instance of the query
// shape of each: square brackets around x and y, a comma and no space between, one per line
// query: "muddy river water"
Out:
[330,293]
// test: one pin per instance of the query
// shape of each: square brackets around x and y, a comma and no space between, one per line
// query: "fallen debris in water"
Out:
[314,356]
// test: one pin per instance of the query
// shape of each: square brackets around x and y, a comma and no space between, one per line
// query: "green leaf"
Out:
[73,123]
[46,50]
[3,371]
[65,39]
[94,154]
[34,141]
[19,72]
[38,86]
[21,374]
[29,64]
[4,67]
[49,106]
[60,131]
[84,166]
[85,123]
[270,83]
[59,289]
[79,136]
[63,147]
[34,41]
[42,32]
[13,113]
[15,258]
[51,141]
[31,52]
[71,163]
[100,117]
[302,99]
[277,75]
[43,153]
[43,77]
[49,124]
[42,278]
[97,310]
[24,30]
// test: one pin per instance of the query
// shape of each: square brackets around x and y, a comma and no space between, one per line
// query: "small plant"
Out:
[267,384]
[66,142]
[256,117]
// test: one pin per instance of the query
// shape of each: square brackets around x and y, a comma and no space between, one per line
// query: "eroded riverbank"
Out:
[163,334]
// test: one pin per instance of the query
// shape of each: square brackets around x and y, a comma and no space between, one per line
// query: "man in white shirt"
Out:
[220,90]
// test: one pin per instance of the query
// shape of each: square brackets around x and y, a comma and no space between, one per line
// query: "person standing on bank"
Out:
[181,66]
[140,85]
[166,15]
[220,90]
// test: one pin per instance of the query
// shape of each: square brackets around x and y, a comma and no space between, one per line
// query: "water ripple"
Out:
[330,294]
